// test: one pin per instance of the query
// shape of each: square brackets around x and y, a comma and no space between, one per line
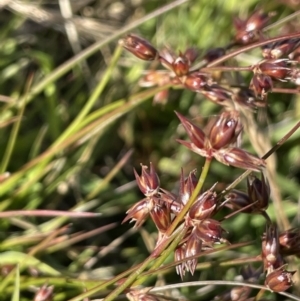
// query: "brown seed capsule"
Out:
[161,216]
[148,182]
[181,65]
[204,206]
[277,69]
[225,130]
[139,212]
[270,249]
[261,84]
[187,186]
[280,279]
[258,191]
[247,30]
[280,48]
[195,81]
[140,47]
[289,241]
[239,158]
[237,200]
[210,232]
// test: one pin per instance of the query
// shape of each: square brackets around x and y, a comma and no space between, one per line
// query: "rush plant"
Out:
[197,189]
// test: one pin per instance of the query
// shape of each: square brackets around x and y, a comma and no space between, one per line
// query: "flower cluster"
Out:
[202,230]
[218,143]
[179,71]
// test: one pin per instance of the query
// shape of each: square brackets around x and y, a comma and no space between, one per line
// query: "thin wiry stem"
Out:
[47,213]
[218,282]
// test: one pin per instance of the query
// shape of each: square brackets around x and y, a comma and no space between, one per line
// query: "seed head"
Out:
[204,206]
[279,280]
[148,182]
[239,158]
[139,212]
[161,216]
[140,47]
[225,130]
[258,191]
[181,65]
[195,81]
[280,48]
[261,84]
[270,249]
[277,69]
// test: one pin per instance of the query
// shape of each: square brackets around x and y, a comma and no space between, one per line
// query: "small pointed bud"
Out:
[247,30]
[148,182]
[261,84]
[270,249]
[204,206]
[161,216]
[139,212]
[258,20]
[225,130]
[195,134]
[193,247]
[279,280]
[210,232]
[45,293]
[196,81]
[187,186]
[258,191]
[181,65]
[239,158]
[237,200]
[277,69]
[140,47]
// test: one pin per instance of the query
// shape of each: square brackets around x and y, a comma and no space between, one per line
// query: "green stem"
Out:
[14,134]
[114,294]
[164,255]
